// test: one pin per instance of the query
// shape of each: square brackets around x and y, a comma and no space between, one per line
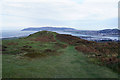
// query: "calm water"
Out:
[10,34]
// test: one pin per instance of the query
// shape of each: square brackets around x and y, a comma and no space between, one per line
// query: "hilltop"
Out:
[51,53]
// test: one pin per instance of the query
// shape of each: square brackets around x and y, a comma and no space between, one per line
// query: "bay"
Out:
[18,33]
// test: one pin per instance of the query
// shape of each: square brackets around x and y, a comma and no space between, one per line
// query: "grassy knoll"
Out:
[71,64]
[50,55]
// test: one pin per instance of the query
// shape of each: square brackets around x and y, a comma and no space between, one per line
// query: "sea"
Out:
[18,33]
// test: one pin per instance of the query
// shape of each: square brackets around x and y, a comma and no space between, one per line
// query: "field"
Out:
[50,55]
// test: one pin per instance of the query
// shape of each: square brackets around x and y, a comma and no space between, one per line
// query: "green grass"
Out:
[24,58]
[71,64]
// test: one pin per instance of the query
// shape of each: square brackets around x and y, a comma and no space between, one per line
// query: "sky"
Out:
[78,14]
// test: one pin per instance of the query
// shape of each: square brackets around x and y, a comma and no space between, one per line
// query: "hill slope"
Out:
[48,54]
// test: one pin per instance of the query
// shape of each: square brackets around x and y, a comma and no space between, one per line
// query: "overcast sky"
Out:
[78,14]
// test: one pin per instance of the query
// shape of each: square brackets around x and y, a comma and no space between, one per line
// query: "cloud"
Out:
[60,11]
[63,9]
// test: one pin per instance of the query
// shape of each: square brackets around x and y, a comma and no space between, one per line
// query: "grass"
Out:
[71,64]
[26,58]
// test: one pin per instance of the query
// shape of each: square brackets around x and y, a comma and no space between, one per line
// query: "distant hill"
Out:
[109,31]
[48,29]
[105,31]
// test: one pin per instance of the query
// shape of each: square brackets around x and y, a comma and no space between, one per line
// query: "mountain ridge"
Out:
[47,28]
